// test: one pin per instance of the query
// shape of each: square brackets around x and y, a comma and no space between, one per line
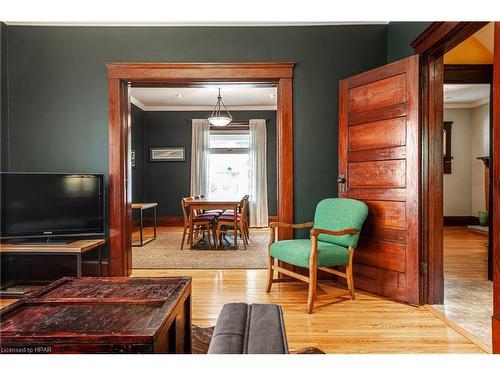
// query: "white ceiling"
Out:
[466,96]
[235,97]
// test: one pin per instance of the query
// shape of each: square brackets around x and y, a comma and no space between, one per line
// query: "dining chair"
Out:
[225,225]
[333,238]
[200,222]
[240,206]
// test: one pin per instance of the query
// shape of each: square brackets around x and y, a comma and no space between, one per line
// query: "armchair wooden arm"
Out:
[317,231]
[273,226]
[276,224]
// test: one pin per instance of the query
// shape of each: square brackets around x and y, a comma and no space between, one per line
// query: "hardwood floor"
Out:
[368,324]
[465,255]
[468,295]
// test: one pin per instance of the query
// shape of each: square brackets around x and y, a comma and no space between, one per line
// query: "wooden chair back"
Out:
[244,210]
[246,197]
[185,214]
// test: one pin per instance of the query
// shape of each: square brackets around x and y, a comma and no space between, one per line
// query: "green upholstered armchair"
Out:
[333,238]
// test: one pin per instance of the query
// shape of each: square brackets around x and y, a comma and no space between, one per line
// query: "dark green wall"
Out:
[167,182]
[137,138]
[399,37]
[58,89]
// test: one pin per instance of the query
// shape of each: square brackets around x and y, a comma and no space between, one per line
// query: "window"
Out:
[229,164]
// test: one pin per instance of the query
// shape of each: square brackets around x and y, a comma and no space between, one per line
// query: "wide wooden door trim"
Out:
[432,44]
[495,162]
[121,75]
[440,37]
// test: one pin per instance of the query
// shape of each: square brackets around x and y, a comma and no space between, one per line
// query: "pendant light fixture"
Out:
[220,115]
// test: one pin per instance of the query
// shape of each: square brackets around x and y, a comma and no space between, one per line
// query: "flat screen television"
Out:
[46,205]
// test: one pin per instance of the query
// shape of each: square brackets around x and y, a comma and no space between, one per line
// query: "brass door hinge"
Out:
[423,269]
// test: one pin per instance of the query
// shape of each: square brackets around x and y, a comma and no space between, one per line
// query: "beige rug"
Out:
[165,252]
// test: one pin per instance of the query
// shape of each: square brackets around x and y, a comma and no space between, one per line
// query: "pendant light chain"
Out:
[217,118]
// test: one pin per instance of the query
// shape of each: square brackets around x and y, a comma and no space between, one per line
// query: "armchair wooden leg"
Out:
[312,289]
[313,272]
[270,274]
[348,271]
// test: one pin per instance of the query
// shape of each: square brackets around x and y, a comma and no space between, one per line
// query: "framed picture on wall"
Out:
[167,154]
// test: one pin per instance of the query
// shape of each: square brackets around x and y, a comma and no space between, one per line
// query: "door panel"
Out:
[374,134]
[378,154]
[387,214]
[377,174]
[383,254]
[378,94]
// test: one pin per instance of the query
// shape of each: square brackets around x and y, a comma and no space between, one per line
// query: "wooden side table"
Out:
[141,207]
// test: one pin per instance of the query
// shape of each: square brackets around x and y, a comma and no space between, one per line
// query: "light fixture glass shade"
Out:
[219,120]
[220,115]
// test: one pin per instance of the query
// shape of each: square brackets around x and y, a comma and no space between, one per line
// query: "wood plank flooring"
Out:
[465,255]
[368,324]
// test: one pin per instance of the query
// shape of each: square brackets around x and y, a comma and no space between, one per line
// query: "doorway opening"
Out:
[123,76]
[468,292]
[170,163]
[457,186]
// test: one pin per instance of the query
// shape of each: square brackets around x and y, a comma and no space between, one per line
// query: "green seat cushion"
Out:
[297,252]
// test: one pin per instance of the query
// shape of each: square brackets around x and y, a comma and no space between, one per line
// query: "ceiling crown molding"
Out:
[188,24]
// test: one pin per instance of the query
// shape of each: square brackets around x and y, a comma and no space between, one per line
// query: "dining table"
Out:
[208,203]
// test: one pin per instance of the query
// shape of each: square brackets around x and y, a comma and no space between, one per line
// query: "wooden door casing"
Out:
[495,214]
[379,156]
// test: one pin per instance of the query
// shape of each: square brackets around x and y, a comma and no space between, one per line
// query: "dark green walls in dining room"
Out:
[57,89]
[167,182]
[137,120]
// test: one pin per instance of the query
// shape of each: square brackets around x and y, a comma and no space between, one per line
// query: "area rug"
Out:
[201,341]
[165,252]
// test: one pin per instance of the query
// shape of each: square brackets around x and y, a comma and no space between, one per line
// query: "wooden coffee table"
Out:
[101,315]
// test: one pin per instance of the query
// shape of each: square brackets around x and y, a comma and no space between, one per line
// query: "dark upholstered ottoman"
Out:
[249,329]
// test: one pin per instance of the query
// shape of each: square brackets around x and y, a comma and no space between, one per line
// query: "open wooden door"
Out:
[379,164]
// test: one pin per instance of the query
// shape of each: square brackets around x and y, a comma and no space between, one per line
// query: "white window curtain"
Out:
[199,156]
[258,174]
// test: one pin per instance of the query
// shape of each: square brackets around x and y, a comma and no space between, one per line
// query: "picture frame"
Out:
[167,154]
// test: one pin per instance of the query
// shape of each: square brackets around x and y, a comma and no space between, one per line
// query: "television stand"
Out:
[76,248]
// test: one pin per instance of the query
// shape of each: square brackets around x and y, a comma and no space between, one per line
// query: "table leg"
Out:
[141,225]
[191,239]
[78,265]
[154,228]
[235,228]
[99,260]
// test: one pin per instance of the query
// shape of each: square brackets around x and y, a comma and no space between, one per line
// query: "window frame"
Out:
[228,150]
